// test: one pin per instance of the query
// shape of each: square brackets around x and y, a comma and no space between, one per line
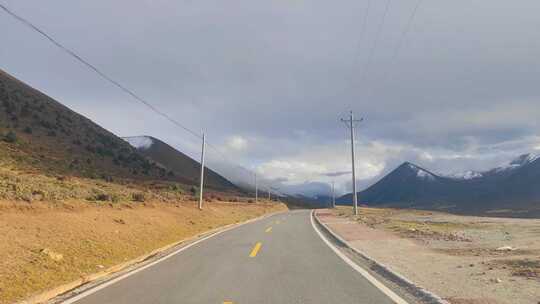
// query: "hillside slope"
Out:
[41,134]
[183,166]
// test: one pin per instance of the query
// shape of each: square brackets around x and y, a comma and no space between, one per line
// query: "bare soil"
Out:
[45,245]
[460,258]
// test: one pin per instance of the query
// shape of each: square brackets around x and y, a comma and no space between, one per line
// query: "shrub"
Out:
[10,137]
[107,178]
[176,188]
[194,190]
[28,130]
[102,197]
[138,197]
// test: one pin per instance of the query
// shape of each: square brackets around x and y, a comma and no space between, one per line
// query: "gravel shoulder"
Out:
[463,259]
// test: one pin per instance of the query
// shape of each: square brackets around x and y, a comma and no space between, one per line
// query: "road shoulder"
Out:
[394,281]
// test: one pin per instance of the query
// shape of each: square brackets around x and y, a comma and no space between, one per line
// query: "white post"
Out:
[202,174]
[333,196]
[256,189]
[355,202]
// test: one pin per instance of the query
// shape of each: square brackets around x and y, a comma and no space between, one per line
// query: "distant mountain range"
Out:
[514,187]
[183,166]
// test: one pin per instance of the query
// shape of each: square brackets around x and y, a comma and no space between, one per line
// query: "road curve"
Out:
[279,259]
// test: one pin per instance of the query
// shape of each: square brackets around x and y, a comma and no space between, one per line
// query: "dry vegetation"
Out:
[45,245]
[56,228]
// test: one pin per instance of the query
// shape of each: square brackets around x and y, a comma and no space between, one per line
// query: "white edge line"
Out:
[392,295]
[109,283]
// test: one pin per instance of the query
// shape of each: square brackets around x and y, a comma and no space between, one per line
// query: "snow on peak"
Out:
[519,162]
[525,159]
[466,175]
[424,175]
[139,142]
[421,173]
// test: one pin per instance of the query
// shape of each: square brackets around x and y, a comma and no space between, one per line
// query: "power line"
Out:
[98,71]
[362,32]
[363,71]
[375,42]
[114,82]
[401,40]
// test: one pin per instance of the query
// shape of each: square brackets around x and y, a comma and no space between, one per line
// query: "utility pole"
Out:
[333,196]
[256,188]
[351,125]
[202,174]
[269,194]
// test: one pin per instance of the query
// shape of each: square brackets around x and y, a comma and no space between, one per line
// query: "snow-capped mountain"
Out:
[520,161]
[515,185]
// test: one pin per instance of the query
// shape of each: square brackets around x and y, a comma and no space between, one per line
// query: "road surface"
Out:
[279,259]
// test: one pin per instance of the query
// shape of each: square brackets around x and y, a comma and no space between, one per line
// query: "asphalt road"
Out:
[279,259]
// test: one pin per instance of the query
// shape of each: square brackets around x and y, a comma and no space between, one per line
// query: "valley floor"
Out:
[45,245]
[463,259]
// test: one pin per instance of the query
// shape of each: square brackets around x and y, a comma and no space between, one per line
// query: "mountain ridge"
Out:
[183,166]
[515,185]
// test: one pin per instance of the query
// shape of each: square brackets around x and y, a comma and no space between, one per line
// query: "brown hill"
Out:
[39,134]
[183,166]
[43,134]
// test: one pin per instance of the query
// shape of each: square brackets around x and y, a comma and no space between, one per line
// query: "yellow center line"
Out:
[255,250]
[268,229]
[228,302]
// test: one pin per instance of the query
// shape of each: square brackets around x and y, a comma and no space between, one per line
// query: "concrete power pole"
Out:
[351,125]
[202,174]
[256,189]
[333,195]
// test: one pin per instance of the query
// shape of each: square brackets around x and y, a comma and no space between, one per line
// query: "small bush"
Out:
[176,188]
[138,197]
[28,130]
[102,197]
[194,190]
[107,178]
[10,137]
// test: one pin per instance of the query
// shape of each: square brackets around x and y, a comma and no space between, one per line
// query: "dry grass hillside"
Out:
[40,133]
[75,199]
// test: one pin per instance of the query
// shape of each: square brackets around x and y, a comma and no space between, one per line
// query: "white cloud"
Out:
[237,143]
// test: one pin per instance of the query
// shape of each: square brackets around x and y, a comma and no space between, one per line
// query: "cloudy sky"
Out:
[267,81]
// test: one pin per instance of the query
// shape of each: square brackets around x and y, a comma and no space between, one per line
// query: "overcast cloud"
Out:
[268,80]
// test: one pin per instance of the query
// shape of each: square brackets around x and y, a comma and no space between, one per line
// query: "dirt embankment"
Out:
[45,245]
[464,259]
